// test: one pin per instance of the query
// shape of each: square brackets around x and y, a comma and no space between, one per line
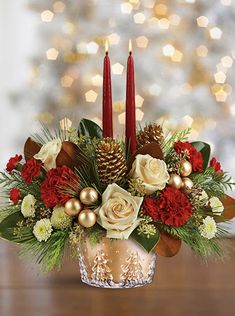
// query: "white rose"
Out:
[42,230]
[152,171]
[28,206]
[216,205]
[118,213]
[48,153]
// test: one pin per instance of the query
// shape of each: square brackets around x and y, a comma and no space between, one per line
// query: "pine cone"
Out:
[110,162]
[152,133]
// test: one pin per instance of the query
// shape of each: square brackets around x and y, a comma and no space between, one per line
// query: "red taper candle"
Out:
[107,97]
[130,104]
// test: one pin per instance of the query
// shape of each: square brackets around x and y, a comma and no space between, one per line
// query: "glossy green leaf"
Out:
[147,243]
[205,149]
[90,129]
[8,224]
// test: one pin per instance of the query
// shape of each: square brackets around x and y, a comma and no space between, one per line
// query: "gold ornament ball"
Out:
[185,168]
[73,207]
[175,181]
[87,218]
[187,184]
[88,196]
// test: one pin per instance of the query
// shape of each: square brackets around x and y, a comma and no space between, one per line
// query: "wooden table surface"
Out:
[182,286]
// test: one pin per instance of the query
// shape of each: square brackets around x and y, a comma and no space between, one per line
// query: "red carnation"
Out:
[52,188]
[12,163]
[194,156]
[216,165]
[15,195]
[31,170]
[172,207]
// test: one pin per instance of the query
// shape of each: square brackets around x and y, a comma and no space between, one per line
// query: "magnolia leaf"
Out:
[168,245]
[69,155]
[229,209]
[90,129]
[152,149]
[31,148]
[8,224]
[147,242]
[205,150]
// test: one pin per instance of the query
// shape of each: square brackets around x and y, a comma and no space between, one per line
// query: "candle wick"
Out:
[106,53]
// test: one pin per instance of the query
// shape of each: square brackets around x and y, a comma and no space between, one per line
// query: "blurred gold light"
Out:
[139,115]
[177,56]
[122,118]
[113,39]
[174,19]
[139,18]
[66,81]
[161,9]
[58,6]
[142,41]
[91,96]
[227,61]
[92,47]
[47,16]
[202,51]
[97,80]
[164,24]
[118,106]
[126,7]
[215,33]
[139,101]
[52,53]
[202,21]
[117,69]
[220,77]
[68,28]
[149,4]
[65,124]
[187,121]
[221,96]
[168,50]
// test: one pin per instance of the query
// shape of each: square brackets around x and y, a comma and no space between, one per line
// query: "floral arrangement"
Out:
[73,183]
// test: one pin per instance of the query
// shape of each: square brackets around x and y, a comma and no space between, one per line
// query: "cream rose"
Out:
[48,153]
[152,171]
[118,213]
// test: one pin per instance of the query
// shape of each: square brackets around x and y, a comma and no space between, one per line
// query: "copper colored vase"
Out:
[115,264]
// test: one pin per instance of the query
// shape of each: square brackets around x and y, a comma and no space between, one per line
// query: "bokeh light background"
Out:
[184,50]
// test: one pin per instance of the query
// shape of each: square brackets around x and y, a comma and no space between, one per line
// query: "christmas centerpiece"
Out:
[115,203]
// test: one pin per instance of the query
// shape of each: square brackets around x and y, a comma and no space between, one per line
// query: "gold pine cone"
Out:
[111,162]
[152,133]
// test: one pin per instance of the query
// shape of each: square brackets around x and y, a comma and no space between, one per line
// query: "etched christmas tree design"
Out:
[100,270]
[132,270]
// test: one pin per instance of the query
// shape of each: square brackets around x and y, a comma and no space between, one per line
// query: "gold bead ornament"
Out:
[73,207]
[185,168]
[87,218]
[88,196]
[175,181]
[187,184]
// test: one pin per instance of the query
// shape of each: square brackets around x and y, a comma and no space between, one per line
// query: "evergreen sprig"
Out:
[205,248]
[48,254]
[214,183]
